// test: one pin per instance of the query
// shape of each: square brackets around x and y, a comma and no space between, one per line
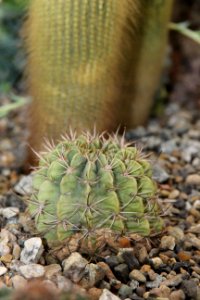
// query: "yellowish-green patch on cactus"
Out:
[88,183]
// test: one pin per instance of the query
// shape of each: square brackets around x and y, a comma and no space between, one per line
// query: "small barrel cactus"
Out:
[89,182]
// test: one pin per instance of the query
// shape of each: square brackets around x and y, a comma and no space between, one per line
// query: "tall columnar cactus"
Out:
[93,62]
[88,183]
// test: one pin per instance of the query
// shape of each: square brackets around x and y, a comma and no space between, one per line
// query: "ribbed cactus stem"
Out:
[74,54]
[88,183]
[93,63]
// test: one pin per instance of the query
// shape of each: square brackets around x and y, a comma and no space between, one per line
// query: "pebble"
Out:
[177,295]
[176,232]
[143,255]
[137,275]
[32,251]
[122,272]
[9,212]
[174,281]
[3,270]
[193,240]
[195,229]
[24,186]
[174,194]
[189,287]
[52,270]
[74,267]
[93,274]
[16,251]
[167,242]
[130,259]
[94,293]
[193,179]
[161,292]
[6,258]
[18,282]
[159,174]
[4,248]
[112,260]
[145,268]
[152,275]
[63,283]
[107,295]
[32,271]
[134,284]
[184,255]
[108,272]
[169,146]
[157,262]
[156,283]
[125,291]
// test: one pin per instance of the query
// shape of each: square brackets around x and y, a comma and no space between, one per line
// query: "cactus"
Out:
[93,62]
[87,183]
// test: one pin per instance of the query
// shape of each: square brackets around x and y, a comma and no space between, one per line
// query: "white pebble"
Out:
[32,251]
[32,271]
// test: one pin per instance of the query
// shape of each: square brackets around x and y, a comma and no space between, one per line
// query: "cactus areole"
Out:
[87,183]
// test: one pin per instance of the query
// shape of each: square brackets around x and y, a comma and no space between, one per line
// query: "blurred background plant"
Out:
[12,57]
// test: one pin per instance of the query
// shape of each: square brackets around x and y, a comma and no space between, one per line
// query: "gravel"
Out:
[164,265]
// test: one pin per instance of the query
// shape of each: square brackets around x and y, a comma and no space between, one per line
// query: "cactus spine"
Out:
[93,62]
[88,183]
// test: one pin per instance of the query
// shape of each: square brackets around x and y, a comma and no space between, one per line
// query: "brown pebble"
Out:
[142,254]
[94,293]
[145,268]
[108,273]
[124,242]
[173,281]
[177,295]
[162,292]
[140,291]
[167,242]
[184,255]
[174,194]
[193,179]
[6,258]
[164,258]
[195,213]
[152,275]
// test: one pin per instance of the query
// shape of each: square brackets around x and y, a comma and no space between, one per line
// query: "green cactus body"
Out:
[88,183]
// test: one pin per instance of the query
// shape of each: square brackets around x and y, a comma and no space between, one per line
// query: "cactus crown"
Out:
[90,182]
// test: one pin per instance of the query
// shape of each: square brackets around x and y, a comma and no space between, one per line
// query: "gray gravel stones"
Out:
[32,251]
